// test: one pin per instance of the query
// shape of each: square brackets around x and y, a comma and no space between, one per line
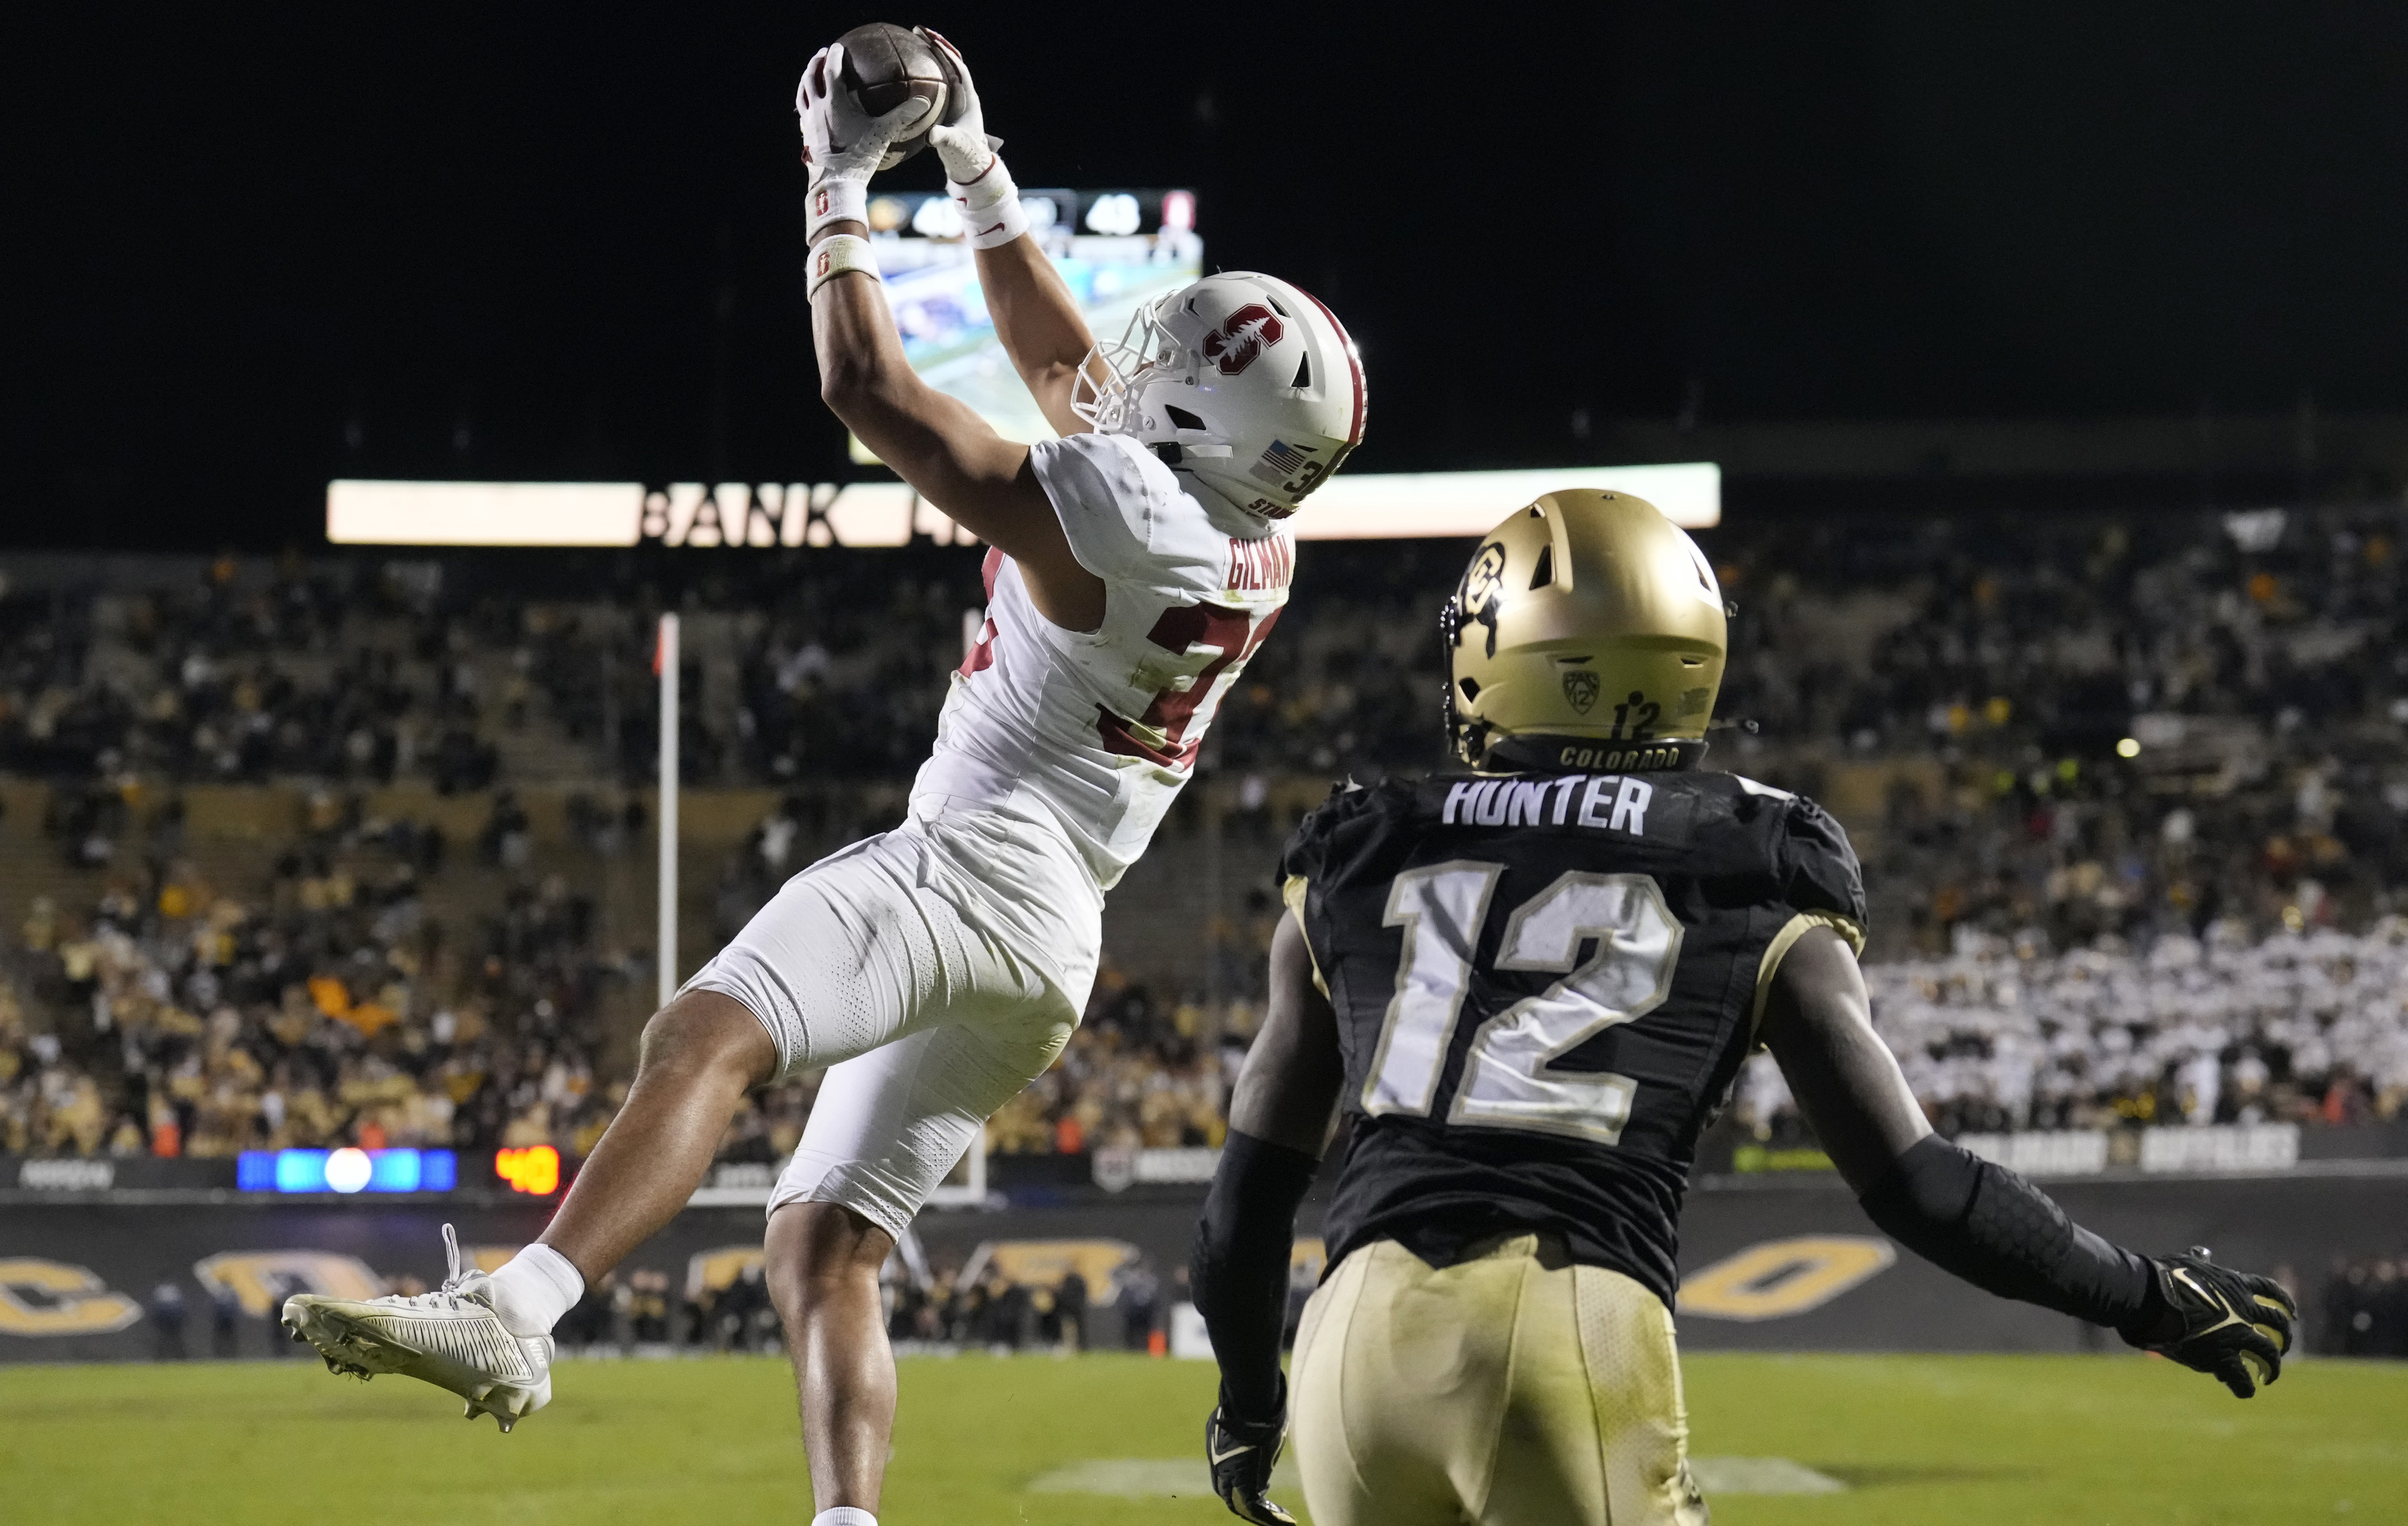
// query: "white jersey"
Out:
[1098,730]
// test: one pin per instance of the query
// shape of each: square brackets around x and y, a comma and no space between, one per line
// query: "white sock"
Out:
[845,1515]
[535,1289]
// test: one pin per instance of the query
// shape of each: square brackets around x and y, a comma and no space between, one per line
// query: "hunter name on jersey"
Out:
[1544,986]
[1607,803]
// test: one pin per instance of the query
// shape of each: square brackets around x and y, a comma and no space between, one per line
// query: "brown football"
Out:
[884,66]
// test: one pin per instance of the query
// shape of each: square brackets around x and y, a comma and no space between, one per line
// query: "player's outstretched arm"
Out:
[1982,1221]
[1287,1090]
[1279,1124]
[1035,315]
[947,452]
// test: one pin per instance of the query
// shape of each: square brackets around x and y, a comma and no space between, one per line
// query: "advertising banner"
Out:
[1787,1263]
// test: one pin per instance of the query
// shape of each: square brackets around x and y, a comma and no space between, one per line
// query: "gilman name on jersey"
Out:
[1261,565]
[1603,801]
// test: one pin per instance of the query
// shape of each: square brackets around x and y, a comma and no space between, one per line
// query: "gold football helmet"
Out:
[1587,633]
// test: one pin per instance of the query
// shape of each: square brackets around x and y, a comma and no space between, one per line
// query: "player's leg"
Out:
[885,1131]
[699,1056]
[830,968]
[1634,1371]
[487,1339]
[840,960]
[1398,1387]
[826,1259]
[1550,1464]
[1594,1431]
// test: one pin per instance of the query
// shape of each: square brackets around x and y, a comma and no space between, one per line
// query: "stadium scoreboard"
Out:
[533,1170]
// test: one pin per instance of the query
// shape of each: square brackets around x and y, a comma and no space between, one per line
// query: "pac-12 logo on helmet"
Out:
[1243,384]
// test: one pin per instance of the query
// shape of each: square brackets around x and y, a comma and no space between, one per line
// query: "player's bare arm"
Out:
[1287,1090]
[948,454]
[1035,315]
[1983,1222]
[1818,1024]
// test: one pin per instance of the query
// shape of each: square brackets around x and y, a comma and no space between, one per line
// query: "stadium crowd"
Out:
[2300,1028]
[325,1008]
[2136,836]
[2362,1309]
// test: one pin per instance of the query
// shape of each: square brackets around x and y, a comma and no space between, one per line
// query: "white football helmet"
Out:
[1240,383]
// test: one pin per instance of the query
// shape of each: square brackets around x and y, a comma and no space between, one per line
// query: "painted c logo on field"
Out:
[1783,1277]
[51,1298]
[716,1271]
[261,1280]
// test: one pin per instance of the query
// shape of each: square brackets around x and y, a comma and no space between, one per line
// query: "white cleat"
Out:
[450,1337]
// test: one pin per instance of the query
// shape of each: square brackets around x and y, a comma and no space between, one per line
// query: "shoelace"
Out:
[448,1296]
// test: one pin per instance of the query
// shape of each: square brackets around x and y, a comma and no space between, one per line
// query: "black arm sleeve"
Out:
[1240,1265]
[1998,1232]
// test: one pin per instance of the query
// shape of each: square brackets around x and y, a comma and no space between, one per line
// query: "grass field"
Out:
[1963,1440]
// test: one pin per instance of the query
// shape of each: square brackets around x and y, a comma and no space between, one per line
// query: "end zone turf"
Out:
[1967,1440]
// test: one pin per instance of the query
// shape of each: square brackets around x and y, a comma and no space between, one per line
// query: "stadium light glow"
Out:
[346,1171]
[2128,747]
[385,513]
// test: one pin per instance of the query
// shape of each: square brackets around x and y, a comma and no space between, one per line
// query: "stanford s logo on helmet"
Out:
[1234,345]
[1242,383]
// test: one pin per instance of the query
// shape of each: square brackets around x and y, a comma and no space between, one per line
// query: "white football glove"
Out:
[840,141]
[965,147]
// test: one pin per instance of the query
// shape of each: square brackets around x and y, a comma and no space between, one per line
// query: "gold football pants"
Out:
[1512,1388]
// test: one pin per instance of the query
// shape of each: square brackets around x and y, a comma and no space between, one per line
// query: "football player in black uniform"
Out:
[1530,987]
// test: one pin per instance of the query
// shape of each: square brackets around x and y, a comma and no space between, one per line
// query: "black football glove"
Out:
[1243,1454]
[2230,1325]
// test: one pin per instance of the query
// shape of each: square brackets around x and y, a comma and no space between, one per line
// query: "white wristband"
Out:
[990,206]
[832,200]
[836,254]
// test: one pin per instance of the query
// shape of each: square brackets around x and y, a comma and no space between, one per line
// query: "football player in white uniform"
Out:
[936,969]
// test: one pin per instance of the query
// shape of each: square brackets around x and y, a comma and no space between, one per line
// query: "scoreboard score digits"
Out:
[534,1170]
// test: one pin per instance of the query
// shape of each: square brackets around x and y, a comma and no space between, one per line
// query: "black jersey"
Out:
[1544,988]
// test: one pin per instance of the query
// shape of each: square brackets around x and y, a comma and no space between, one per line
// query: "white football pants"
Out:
[935,970]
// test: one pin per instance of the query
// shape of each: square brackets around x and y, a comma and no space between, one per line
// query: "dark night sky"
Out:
[253,251]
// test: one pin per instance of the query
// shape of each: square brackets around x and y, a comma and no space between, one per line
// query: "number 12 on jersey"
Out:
[1509,1076]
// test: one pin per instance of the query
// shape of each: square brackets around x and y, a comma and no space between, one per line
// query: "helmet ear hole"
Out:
[1545,574]
[1471,687]
[1180,418]
[1303,373]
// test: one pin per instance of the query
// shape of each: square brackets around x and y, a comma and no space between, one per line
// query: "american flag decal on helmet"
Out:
[1285,459]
